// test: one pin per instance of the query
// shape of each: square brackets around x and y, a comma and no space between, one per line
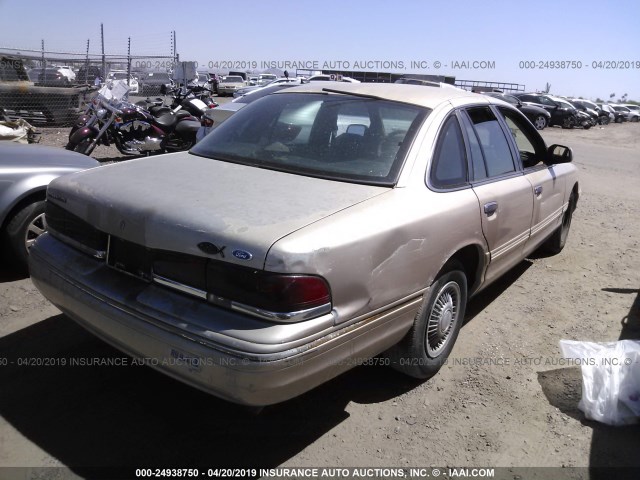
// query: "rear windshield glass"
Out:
[333,136]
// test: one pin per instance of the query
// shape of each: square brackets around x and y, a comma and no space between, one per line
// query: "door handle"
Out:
[538,190]
[490,208]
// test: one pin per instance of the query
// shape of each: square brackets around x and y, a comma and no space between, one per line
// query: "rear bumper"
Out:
[232,356]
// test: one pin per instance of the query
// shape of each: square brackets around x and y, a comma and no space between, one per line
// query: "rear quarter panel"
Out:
[384,250]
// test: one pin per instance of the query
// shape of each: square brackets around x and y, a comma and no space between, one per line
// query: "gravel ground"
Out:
[514,407]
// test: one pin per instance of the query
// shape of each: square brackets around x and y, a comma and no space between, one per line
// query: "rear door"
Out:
[504,194]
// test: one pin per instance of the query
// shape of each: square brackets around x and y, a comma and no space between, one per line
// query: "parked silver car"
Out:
[314,229]
[25,172]
[229,84]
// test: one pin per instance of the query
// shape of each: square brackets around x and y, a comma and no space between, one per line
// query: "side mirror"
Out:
[163,89]
[559,154]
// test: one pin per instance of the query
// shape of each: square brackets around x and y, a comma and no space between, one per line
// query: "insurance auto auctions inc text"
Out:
[345,65]
[377,472]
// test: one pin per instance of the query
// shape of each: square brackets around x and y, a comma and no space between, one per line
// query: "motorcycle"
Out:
[195,100]
[134,131]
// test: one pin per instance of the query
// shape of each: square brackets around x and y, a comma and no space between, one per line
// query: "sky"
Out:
[582,48]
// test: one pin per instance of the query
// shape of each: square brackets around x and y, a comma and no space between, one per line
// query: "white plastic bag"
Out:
[610,379]
[16,131]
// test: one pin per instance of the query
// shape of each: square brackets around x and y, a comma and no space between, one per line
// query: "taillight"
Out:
[287,293]
[273,292]
[274,296]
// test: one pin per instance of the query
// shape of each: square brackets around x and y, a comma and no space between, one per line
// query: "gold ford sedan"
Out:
[316,228]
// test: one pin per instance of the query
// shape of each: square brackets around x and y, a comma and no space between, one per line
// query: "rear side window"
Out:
[449,167]
[497,155]
[477,159]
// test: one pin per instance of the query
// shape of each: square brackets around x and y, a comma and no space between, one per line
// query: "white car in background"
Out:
[68,72]
[634,111]
[134,87]
[628,114]
[229,84]
[265,79]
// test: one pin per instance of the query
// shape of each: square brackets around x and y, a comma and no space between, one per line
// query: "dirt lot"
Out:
[519,409]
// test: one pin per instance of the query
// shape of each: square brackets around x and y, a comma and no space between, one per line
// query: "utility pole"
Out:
[44,62]
[86,62]
[176,56]
[129,63]
[104,63]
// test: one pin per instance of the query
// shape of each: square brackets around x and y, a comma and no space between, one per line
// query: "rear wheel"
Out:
[435,329]
[540,122]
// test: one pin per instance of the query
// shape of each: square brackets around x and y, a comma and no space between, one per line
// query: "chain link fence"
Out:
[49,88]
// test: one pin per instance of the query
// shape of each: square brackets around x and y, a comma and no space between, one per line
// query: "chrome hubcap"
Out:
[36,228]
[442,319]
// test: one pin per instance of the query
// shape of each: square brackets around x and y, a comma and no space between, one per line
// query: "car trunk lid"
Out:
[199,206]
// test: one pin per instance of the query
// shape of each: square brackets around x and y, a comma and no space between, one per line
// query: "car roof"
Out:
[424,96]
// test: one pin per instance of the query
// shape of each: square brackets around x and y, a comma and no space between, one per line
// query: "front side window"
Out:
[493,143]
[333,136]
[546,101]
[528,141]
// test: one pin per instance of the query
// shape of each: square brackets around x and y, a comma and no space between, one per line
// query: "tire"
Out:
[423,351]
[540,122]
[568,122]
[556,242]
[23,229]
[84,146]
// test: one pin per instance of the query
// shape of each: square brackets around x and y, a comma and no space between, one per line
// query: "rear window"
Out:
[338,137]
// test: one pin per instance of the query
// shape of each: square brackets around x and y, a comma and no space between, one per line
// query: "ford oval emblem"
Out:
[242,254]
